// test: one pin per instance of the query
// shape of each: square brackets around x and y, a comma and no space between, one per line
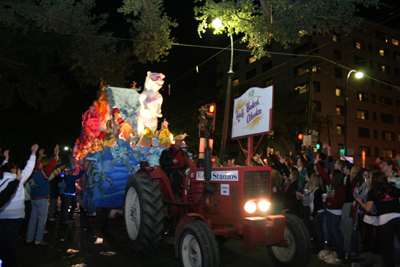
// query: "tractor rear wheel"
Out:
[143,212]
[297,251]
[197,245]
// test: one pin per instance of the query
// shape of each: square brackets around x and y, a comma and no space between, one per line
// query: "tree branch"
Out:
[8,61]
[45,13]
[150,25]
[35,8]
[265,8]
[149,18]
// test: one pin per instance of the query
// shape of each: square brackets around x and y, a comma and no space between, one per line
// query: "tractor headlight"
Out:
[250,207]
[264,205]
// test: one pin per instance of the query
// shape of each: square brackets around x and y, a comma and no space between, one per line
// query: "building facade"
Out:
[309,82]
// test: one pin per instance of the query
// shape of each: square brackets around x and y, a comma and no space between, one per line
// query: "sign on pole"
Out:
[252,113]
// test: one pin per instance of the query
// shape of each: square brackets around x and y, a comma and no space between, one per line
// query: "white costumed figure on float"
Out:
[150,102]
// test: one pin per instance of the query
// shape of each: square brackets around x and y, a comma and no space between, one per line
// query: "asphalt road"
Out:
[80,236]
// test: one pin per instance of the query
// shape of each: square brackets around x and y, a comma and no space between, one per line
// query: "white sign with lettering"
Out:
[252,112]
[219,176]
[225,189]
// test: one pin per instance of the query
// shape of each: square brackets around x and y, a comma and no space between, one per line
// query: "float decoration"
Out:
[108,140]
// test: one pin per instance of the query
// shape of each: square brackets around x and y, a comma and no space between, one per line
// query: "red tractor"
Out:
[216,202]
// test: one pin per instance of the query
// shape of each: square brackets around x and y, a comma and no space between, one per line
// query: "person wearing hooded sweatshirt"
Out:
[7,188]
[40,192]
[13,212]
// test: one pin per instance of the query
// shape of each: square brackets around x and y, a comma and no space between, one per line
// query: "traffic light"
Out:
[317,146]
[202,117]
[210,115]
[300,136]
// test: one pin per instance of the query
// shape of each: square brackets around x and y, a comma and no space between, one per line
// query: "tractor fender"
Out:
[159,174]
[188,217]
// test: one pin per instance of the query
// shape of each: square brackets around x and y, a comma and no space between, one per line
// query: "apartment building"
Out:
[323,64]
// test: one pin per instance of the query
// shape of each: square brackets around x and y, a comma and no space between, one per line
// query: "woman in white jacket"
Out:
[12,213]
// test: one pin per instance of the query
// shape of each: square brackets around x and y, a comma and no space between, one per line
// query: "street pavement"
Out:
[73,244]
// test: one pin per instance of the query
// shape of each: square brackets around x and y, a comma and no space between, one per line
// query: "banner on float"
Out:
[252,112]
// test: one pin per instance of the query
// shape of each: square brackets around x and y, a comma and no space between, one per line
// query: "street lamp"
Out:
[358,76]
[217,23]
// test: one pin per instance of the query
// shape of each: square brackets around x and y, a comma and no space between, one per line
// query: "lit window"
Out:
[362,114]
[251,60]
[388,153]
[302,71]
[334,38]
[388,136]
[303,90]
[358,45]
[314,69]
[339,129]
[362,97]
[395,42]
[383,68]
[235,82]
[382,52]
[339,91]
[339,110]
[268,82]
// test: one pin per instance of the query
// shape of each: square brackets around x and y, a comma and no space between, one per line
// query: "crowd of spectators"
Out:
[355,211]
[29,197]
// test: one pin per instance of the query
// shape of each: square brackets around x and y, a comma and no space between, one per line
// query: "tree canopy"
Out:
[47,45]
[284,21]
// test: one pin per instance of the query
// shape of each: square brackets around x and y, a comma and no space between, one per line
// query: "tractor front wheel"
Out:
[297,251]
[143,212]
[197,245]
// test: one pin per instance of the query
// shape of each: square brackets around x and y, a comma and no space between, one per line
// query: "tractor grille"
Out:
[256,184]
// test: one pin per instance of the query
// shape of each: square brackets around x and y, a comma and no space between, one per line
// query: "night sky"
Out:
[23,126]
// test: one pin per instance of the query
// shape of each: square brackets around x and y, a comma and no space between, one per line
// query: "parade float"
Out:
[119,132]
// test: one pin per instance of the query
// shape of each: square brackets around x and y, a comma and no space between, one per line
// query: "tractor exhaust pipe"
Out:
[207,165]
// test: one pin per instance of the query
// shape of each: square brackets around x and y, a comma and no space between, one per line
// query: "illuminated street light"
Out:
[66,148]
[217,23]
[358,76]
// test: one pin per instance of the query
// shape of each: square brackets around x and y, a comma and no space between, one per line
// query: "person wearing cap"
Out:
[172,161]
[179,167]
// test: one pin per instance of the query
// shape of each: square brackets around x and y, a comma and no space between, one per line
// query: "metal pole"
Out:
[345,112]
[327,126]
[310,102]
[227,104]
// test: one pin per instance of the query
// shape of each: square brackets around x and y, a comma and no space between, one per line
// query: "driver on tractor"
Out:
[173,161]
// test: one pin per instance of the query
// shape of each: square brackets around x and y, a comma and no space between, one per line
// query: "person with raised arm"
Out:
[40,192]
[7,188]
[13,212]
